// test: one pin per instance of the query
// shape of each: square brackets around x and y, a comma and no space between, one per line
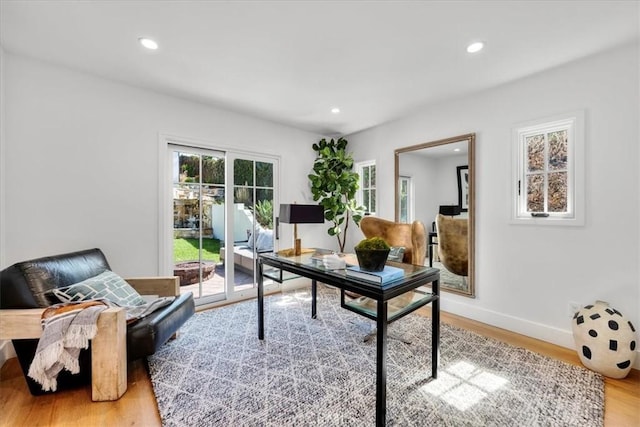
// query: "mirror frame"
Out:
[471,157]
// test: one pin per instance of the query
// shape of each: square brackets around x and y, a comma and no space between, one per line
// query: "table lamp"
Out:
[300,214]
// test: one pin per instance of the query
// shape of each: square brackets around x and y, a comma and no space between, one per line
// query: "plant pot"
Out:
[372,259]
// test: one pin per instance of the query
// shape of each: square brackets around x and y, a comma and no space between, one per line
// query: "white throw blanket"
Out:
[67,328]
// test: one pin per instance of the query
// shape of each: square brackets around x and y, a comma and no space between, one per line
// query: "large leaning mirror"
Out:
[437,178]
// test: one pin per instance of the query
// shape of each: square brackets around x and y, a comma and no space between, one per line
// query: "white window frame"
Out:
[574,124]
[359,167]
[410,195]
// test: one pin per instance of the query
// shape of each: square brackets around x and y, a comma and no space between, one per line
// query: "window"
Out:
[405,201]
[548,172]
[367,192]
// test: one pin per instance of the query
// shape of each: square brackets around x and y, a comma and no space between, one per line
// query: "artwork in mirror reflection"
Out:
[436,178]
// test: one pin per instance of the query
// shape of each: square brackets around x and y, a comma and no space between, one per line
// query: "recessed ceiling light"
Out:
[456,149]
[148,43]
[475,47]
[335,110]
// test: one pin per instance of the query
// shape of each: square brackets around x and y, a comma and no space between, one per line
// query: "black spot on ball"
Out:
[631,326]
[624,365]
[608,310]
[613,345]
[613,325]
[586,352]
[595,316]
[580,320]
[632,346]
[589,307]
[593,333]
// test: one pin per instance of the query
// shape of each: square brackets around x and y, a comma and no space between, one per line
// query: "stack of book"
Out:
[389,274]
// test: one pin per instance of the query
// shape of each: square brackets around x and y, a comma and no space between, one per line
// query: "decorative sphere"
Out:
[605,340]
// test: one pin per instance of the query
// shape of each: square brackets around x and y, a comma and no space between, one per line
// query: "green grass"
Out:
[187,250]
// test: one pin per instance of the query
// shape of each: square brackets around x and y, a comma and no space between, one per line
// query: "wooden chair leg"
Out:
[109,356]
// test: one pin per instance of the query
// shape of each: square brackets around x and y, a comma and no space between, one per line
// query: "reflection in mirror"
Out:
[438,178]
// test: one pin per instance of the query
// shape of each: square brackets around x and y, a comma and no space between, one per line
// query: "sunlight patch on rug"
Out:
[463,385]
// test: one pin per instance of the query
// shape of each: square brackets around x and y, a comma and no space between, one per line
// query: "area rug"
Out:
[320,373]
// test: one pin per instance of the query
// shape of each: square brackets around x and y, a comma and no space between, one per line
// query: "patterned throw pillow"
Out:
[107,285]
[396,253]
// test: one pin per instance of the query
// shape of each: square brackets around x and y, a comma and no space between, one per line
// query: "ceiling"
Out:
[292,61]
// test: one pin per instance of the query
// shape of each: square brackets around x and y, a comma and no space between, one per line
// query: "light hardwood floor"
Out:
[138,406]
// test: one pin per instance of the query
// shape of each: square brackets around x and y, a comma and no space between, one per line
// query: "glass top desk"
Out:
[277,267]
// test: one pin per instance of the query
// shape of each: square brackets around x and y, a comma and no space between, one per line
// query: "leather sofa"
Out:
[27,285]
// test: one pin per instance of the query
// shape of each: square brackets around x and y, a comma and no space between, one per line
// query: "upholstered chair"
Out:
[453,244]
[26,291]
[412,237]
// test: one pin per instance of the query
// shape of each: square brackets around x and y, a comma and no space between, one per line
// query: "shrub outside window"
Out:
[548,172]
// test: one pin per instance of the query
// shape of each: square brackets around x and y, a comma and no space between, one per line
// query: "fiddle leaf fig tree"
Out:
[334,184]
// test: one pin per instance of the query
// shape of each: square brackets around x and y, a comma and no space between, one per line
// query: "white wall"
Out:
[423,176]
[6,349]
[2,157]
[526,275]
[447,180]
[435,182]
[82,160]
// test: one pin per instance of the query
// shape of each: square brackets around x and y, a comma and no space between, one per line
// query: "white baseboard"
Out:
[6,351]
[561,337]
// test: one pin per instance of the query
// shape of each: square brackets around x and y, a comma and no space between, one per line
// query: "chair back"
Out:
[410,236]
[453,244]
[27,284]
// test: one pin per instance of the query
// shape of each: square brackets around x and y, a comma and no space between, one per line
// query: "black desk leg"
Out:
[430,249]
[430,253]
[435,329]
[381,365]
[260,301]
[314,294]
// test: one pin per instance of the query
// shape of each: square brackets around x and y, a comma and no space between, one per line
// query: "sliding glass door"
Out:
[222,218]
[253,201]
[198,188]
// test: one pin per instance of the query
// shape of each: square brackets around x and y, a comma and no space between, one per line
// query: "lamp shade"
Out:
[449,210]
[301,214]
